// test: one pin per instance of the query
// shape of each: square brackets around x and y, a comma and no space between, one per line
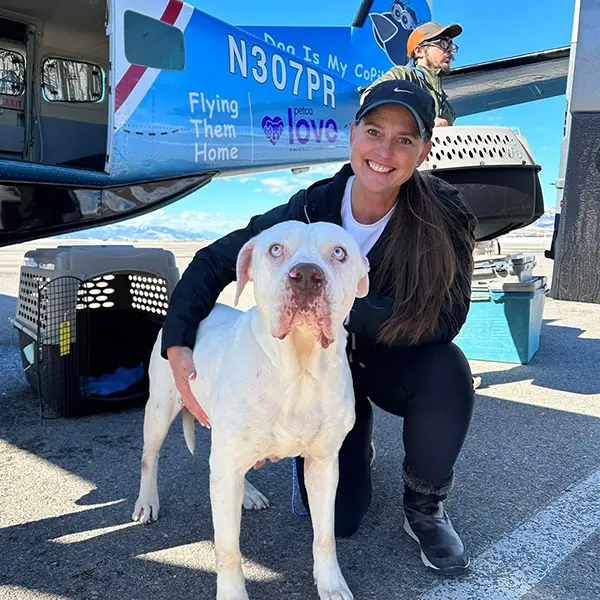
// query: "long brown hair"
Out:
[419,264]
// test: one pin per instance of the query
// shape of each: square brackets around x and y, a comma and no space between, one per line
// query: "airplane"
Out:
[110,109]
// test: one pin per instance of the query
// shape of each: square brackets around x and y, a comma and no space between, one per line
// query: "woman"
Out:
[418,237]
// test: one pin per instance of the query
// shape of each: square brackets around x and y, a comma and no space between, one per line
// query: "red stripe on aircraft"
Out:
[135,72]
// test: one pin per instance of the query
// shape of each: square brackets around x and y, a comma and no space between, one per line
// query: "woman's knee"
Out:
[442,379]
[445,365]
[346,529]
[349,516]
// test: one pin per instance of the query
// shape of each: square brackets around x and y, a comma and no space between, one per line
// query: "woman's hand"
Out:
[439,122]
[182,365]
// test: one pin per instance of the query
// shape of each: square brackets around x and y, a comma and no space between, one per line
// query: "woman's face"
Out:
[385,148]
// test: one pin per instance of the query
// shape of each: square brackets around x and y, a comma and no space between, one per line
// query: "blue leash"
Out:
[295,490]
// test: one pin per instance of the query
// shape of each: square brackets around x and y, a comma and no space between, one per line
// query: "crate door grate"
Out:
[62,346]
[71,316]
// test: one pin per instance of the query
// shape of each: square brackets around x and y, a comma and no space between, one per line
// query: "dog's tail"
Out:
[188,429]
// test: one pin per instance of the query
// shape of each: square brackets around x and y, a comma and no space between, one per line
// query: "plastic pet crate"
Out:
[88,317]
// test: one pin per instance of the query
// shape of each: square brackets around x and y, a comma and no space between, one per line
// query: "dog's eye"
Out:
[276,250]
[339,253]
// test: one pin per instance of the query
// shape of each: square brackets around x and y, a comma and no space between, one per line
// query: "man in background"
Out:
[430,49]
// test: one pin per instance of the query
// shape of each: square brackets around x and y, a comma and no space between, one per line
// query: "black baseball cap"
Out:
[405,93]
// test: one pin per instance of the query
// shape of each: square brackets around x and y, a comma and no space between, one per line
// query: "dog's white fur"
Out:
[275,382]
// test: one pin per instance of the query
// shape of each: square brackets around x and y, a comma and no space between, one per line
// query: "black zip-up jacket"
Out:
[214,267]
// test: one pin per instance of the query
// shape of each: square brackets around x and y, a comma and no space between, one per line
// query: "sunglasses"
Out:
[444,44]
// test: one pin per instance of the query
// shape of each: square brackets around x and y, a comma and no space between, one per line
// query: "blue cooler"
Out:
[505,318]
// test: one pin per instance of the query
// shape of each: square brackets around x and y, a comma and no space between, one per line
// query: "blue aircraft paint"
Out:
[250,106]
[247,100]
[357,54]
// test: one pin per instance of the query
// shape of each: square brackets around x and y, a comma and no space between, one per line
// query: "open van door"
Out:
[111,21]
[16,61]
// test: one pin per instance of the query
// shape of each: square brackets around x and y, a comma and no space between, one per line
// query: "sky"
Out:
[492,29]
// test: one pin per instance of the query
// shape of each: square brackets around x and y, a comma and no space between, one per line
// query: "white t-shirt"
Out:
[364,235]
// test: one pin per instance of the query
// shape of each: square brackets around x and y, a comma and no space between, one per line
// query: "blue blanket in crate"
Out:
[110,383]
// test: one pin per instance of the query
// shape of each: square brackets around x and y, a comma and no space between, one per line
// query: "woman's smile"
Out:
[379,168]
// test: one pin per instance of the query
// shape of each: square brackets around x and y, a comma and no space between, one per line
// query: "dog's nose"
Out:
[306,276]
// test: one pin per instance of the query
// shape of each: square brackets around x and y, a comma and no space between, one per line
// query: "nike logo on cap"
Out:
[405,91]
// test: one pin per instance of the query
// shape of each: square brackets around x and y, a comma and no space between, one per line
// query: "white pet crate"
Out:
[87,318]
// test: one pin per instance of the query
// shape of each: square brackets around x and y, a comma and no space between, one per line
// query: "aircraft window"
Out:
[152,43]
[66,80]
[12,73]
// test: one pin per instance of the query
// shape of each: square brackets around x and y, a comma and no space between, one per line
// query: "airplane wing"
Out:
[495,84]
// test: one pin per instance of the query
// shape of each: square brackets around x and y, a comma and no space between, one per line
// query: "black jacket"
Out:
[214,267]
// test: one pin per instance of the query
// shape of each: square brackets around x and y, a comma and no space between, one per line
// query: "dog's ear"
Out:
[244,264]
[362,289]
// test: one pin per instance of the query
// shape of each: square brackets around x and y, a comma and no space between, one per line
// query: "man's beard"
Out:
[444,68]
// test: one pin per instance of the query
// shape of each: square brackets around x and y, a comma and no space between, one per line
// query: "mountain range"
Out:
[546,221]
[127,231]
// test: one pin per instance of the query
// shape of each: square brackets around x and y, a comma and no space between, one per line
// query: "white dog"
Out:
[275,382]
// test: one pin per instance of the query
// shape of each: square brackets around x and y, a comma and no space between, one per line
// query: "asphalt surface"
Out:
[526,498]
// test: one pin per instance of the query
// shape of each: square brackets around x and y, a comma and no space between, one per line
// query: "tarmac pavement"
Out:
[526,498]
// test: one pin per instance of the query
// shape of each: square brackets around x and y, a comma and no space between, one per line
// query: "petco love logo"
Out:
[273,128]
[300,130]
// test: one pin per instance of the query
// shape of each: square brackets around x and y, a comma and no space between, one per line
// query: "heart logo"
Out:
[273,128]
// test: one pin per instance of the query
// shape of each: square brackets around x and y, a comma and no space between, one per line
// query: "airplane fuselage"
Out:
[114,108]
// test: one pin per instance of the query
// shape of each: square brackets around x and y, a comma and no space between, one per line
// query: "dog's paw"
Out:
[146,511]
[231,588]
[227,595]
[253,499]
[331,585]
[337,593]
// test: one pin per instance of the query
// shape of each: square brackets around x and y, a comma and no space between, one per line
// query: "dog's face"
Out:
[304,276]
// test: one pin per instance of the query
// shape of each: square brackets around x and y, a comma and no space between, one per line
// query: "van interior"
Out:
[54,62]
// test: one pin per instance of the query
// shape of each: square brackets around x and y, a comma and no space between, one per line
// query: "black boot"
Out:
[428,524]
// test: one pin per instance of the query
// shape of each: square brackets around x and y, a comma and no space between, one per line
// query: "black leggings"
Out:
[429,386]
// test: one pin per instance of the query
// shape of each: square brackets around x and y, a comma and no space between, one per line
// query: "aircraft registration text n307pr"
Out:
[280,71]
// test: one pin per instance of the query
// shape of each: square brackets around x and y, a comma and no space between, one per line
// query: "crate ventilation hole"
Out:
[149,294]
[483,146]
[96,293]
[28,295]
